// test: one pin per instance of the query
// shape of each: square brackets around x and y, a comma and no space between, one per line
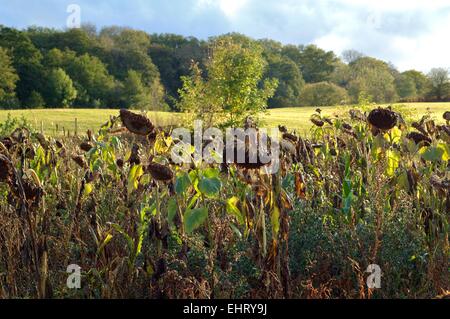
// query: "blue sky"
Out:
[408,33]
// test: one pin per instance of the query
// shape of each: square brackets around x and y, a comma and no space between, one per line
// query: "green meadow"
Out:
[57,121]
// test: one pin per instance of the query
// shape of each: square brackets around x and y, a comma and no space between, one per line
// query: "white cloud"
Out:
[426,51]
[409,35]
[394,5]
[230,8]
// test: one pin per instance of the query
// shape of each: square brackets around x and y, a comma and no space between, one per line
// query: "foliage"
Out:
[290,81]
[374,78]
[440,84]
[350,56]
[323,94]
[35,100]
[9,124]
[316,64]
[26,60]
[421,81]
[8,78]
[346,197]
[100,62]
[137,95]
[61,89]
[233,89]
[406,87]
[91,79]
[173,55]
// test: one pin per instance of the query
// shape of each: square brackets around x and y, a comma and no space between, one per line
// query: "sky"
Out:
[411,34]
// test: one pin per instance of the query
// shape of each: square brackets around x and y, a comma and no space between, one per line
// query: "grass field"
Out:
[298,117]
[55,121]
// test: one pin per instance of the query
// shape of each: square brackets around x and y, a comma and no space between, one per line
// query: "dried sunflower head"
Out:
[152,137]
[20,135]
[7,142]
[382,119]
[86,146]
[282,128]
[136,123]
[290,137]
[160,172]
[444,128]
[89,177]
[419,138]
[30,153]
[251,157]
[317,122]
[120,163]
[80,161]
[288,147]
[347,126]
[135,158]
[357,115]
[33,193]
[41,139]
[440,184]
[446,116]
[327,120]
[6,169]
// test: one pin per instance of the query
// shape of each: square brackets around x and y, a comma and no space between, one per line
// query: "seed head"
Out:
[86,146]
[446,116]
[419,138]
[136,123]
[382,119]
[160,172]
[6,169]
[317,122]
[80,161]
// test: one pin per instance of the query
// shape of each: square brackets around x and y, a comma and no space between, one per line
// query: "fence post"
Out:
[76,127]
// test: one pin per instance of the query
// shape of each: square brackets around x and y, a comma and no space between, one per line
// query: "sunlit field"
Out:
[298,117]
[59,121]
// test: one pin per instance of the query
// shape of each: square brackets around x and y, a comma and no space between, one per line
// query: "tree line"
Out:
[118,67]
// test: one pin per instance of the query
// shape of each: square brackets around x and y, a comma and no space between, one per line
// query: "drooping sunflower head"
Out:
[136,123]
[160,172]
[382,119]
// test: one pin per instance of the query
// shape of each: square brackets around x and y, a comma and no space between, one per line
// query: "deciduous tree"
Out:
[8,79]
[61,90]
[234,88]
